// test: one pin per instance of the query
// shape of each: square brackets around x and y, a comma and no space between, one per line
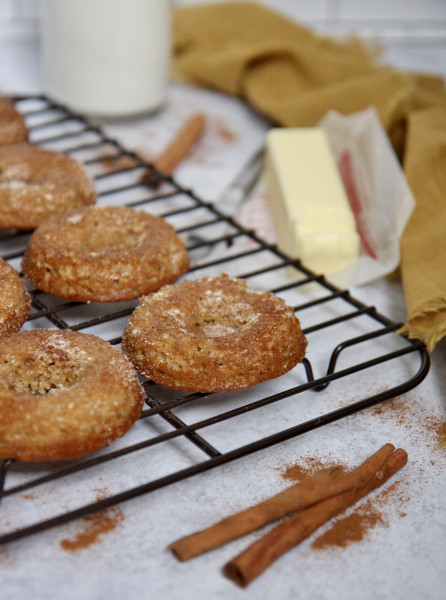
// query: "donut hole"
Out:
[40,375]
[214,317]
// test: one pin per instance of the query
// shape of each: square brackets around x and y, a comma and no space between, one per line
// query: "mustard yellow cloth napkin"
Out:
[295,76]
[423,245]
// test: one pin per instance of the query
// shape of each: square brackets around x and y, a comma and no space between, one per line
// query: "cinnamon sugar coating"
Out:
[36,183]
[213,334]
[104,254]
[12,124]
[15,301]
[63,394]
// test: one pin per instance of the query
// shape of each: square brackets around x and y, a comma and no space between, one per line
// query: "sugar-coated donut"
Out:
[63,394]
[104,254]
[15,301]
[36,183]
[12,124]
[213,334]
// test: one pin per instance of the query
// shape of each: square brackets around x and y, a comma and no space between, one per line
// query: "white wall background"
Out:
[395,21]
[412,32]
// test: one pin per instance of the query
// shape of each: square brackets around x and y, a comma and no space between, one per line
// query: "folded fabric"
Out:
[294,76]
[289,73]
[218,44]
[423,245]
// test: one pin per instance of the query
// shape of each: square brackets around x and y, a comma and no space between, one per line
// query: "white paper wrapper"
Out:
[379,194]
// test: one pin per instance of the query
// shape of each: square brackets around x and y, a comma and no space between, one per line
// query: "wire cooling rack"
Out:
[355,358]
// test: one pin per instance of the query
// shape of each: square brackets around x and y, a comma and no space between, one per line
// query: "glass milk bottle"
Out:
[107,58]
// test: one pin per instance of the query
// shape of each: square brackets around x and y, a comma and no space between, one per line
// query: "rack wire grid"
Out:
[355,357]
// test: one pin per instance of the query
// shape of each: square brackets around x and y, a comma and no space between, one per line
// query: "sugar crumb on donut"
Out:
[12,124]
[63,394]
[15,301]
[104,254]
[37,183]
[213,334]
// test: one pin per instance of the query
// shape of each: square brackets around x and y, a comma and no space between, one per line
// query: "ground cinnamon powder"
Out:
[225,133]
[300,471]
[94,526]
[4,557]
[355,527]
[408,412]
[350,529]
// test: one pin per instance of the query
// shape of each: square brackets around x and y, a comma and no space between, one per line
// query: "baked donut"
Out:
[213,334]
[104,254]
[36,183]
[12,124]
[15,301]
[63,394]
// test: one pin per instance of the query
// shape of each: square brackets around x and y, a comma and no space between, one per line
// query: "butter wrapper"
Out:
[379,195]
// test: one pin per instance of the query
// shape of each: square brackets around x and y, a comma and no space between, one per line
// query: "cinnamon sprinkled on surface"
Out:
[299,471]
[413,415]
[101,493]
[225,133]
[3,555]
[94,527]
[409,413]
[6,559]
[415,418]
[355,527]
[351,529]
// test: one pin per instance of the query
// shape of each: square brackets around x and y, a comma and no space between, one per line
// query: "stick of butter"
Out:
[311,211]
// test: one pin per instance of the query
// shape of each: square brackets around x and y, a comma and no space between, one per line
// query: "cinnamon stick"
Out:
[177,149]
[322,485]
[256,558]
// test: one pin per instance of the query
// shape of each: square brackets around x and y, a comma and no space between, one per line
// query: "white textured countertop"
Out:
[401,556]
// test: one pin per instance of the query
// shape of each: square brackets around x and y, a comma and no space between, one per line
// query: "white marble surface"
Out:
[402,557]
